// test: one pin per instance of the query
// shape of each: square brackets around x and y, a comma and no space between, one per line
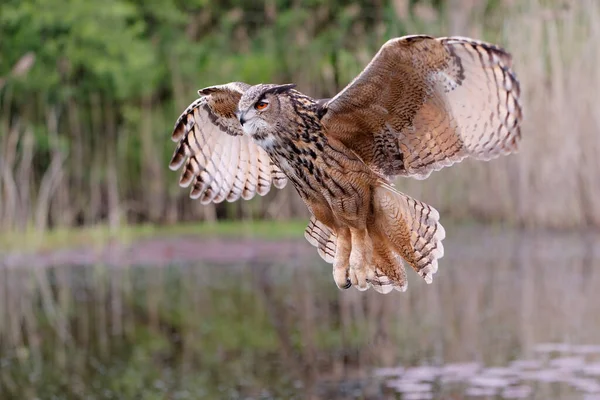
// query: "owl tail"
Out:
[403,228]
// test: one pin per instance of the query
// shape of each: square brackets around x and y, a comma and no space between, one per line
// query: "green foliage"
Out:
[99,46]
[101,236]
[110,77]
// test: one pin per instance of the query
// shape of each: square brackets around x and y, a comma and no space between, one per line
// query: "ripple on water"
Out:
[526,364]
[585,385]
[500,371]
[553,348]
[517,392]
[462,369]
[591,369]
[389,372]
[509,382]
[586,349]
[408,386]
[491,381]
[568,363]
[417,396]
[547,376]
[480,392]
[422,373]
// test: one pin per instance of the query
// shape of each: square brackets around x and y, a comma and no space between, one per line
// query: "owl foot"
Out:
[360,277]
[342,259]
[361,259]
[341,277]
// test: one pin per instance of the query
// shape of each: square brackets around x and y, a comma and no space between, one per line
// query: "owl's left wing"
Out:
[424,103]
[221,163]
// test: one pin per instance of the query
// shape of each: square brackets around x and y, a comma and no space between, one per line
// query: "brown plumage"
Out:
[420,105]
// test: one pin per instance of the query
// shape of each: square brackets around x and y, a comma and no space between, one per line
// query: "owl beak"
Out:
[241,118]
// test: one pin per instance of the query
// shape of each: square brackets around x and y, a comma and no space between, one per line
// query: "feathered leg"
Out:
[361,259]
[389,269]
[341,260]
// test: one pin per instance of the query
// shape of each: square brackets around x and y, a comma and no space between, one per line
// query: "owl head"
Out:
[261,109]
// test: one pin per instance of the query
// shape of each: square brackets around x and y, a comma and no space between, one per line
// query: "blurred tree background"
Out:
[90,90]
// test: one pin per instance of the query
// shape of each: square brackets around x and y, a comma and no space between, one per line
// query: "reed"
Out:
[84,146]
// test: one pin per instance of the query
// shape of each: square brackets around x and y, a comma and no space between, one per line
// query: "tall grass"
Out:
[559,169]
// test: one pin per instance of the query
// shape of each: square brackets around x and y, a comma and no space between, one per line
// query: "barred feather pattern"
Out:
[474,110]
[219,161]
[387,263]
[425,103]
[323,238]
[413,231]
[420,105]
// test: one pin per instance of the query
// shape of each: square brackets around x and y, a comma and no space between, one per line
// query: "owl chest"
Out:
[302,171]
[318,177]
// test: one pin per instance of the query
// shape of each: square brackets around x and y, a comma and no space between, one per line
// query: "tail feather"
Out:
[403,230]
[389,270]
[412,229]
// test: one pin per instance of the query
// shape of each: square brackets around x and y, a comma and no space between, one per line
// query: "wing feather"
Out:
[242,172]
[424,103]
[228,167]
[323,238]
[251,184]
[279,178]
[264,174]
[219,161]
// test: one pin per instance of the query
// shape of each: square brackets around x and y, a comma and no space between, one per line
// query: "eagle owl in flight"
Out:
[421,104]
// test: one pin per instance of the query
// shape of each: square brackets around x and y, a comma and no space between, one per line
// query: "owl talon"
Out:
[340,276]
[360,259]
[358,276]
[341,260]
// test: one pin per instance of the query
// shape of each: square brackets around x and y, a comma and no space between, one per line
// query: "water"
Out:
[509,315]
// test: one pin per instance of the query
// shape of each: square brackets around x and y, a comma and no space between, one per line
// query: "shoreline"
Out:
[231,242]
[101,236]
[163,251]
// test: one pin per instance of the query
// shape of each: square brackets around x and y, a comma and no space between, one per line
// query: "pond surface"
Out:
[509,315]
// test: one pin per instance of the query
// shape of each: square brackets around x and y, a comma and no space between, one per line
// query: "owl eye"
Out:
[261,105]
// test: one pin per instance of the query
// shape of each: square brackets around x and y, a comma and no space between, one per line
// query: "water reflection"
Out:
[509,315]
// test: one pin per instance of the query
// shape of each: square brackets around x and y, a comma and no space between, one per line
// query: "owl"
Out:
[421,104]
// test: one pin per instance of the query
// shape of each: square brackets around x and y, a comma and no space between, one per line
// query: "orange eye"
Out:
[261,105]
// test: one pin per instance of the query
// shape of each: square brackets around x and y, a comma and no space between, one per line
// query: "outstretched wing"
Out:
[221,163]
[424,103]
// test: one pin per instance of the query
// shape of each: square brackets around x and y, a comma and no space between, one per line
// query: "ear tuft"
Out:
[207,90]
[280,88]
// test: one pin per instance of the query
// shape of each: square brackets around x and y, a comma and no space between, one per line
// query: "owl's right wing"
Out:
[221,163]
[424,103]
